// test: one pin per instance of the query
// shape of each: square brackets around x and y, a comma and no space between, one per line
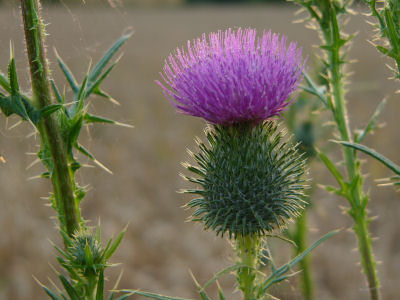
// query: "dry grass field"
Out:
[160,246]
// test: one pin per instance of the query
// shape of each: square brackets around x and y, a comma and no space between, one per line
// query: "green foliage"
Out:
[279,274]
[379,157]
[388,23]
[59,125]
[16,102]
[327,17]
[70,118]
[85,260]
[251,180]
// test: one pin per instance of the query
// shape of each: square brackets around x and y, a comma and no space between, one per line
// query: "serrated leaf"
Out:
[387,162]
[106,58]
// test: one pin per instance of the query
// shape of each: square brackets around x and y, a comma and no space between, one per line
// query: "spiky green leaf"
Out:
[110,251]
[387,162]
[279,273]
[89,118]
[57,94]
[69,288]
[51,294]
[99,67]
[96,84]
[68,74]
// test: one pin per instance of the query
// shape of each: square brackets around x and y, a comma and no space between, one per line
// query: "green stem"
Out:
[367,257]
[300,238]
[92,282]
[355,195]
[248,248]
[49,128]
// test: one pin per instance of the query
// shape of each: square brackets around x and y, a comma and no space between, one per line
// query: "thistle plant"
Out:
[327,17]
[250,177]
[58,121]
[386,41]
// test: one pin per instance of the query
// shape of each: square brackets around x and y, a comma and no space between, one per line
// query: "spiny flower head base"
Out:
[233,76]
[251,180]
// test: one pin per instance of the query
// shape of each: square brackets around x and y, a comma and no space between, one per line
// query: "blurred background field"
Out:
[160,246]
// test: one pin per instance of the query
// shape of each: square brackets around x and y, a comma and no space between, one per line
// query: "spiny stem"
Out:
[248,248]
[356,196]
[367,257]
[48,128]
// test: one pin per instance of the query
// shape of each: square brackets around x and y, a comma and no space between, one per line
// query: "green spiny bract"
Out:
[251,180]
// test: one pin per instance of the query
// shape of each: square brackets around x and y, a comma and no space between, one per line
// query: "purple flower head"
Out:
[233,76]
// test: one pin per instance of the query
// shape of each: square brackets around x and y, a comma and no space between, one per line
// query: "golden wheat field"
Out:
[160,247]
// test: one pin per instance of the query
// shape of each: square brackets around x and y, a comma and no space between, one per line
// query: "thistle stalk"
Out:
[247,248]
[48,127]
[325,14]
[356,197]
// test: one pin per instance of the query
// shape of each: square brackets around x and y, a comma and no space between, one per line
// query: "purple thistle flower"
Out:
[233,76]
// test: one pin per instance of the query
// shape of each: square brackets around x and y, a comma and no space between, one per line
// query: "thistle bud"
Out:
[85,254]
[251,180]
